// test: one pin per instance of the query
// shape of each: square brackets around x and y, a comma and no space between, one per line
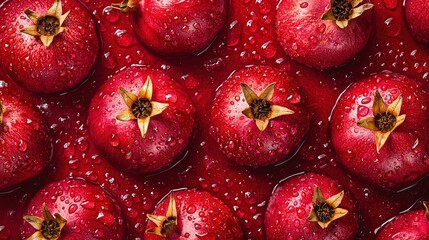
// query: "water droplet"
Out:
[98,233]
[110,14]
[362,111]
[171,98]
[88,205]
[22,146]
[390,4]
[269,50]
[303,4]
[106,218]
[391,27]
[301,213]
[234,34]
[109,61]
[114,141]
[72,208]
[124,38]
[191,209]
[213,64]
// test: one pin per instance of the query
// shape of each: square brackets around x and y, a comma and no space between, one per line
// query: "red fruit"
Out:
[388,145]
[323,33]
[311,206]
[41,57]
[192,214]
[417,19]
[176,27]
[25,147]
[73,209]
[408,226]
[268,132]
[148,127]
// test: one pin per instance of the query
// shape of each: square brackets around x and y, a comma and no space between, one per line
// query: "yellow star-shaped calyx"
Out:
[165,225]
[385,119]
[46,26]
[326,211]
[125,5]
[141,107]
[48,228]
[261,109]
[342,11]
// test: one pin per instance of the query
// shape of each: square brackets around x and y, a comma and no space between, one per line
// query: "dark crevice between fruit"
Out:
[384,121]
[342,9]
[48,26]
[48,227]
[261,108]
[325,211]
[142,108]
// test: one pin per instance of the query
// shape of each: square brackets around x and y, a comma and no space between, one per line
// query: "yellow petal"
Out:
[143,125]
[318,196]
[355,3]
[312,217]
[37,236]
[268,92]
[172,211]
[158,220]
[60,220]
[328,15]
[395,106]
[33,16]
[157,108]
[378,105]
[277,111]
[46,40]
[156,231]
[356,12]
[124,6]
[262,124]
[339,213]
[36,222]
[63,17]
[147,90]
[46,213]
[249,94]
[56,9]
[399,121]
[380,139]
[342,24]
[336,199]
[368,123]
[126,115]
[323,225]
[31,30]
[129,98]
[248,113]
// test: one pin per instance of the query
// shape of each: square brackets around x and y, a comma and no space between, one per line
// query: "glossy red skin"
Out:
[417,15]
[61,66]
[238,136]
[291,203]
[176,27]
[403,159]
[168,134]
[90,212]
[407,226]
[200,216]
[318,43]
[25,144]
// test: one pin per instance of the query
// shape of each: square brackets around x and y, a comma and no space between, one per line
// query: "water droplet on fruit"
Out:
[22,146]
[391,27]
[303,4]
[390,4]
[362,111]
[72,208]
[114,141]
[269,50]
[110,14]
[88,205]
[191,209]
[234,34]
[124,38]
[109,61]
[106,218]
[172,98]
[264,7]
[98,233]
[213,64]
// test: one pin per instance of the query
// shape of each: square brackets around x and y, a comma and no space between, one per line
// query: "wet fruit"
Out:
[192,214]
[50,46]
[417,19]
[411,225]
[323,33]
[141,120]
[311,206]
[72,209]
[378,129]
[258,116]
[25,148]
[176,27]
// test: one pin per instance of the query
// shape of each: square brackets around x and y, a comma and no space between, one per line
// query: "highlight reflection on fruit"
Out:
[347,142]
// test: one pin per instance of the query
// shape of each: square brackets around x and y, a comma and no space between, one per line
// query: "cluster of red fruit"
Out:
[103,151]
